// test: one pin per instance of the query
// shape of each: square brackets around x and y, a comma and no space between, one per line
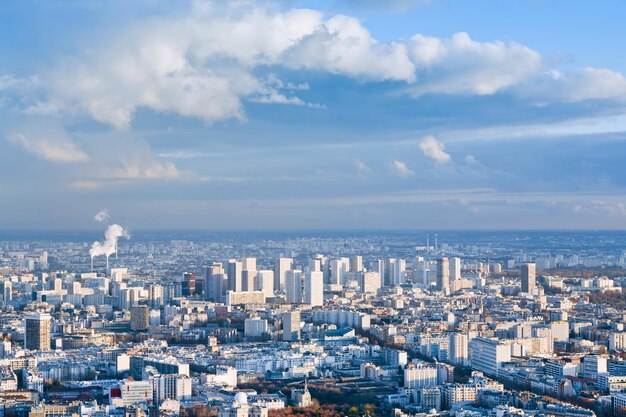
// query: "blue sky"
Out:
[430,114]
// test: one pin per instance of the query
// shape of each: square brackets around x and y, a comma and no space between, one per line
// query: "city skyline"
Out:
[312,115]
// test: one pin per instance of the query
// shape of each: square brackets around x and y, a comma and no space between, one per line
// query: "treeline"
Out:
[326,410]
[616,299]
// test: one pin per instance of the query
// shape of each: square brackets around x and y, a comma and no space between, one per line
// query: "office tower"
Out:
[265,282]
[293,286]
[443,274]
[281,266]
[455,268]
[248,278]
[291,326]
[315,265]
[249,264]
[528,277]
[395,272]
[37,331]
[314,288]
[7,291]
[234,275]
[338,270]
[215,282]
[189,284]
[370,282]
[155,292]
[356,263]
[139,318]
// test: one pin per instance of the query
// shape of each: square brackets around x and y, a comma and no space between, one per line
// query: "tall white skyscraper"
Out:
[281,266]
[248,278]
[215,282]
[265,282]
[395,272]
[356,263]
[249,264]
[455,268]
[314,288]
[338,270]
[293,286]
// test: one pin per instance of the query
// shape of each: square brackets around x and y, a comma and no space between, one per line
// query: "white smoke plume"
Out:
[102,216]
[109,246]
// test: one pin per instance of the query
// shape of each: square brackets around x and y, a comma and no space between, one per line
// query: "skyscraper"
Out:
[215,282]
[356,263]
[529,272]
[234,275]
[443,274]
[37,331]
[7,291]
[281,266]
[265,282]
[293,286]
[314,288]
[455,268]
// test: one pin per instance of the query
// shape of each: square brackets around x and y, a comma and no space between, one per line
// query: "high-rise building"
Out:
[234,275]
[7,291]
[139,318]
[291,326]
[356,263]
[370,282]
[455,268]
[529,272]
[395,272]
[487,355]
[293,286]
[215,282]
[281,266]
[189,284]
[37,331]
[265,282]
[314,288]
[338,270]
[458,348]
[248,278]
[249,264]
[443,274]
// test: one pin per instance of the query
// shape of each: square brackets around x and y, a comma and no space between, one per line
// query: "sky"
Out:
[351,114]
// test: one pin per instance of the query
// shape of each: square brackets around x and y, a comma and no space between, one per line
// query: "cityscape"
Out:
[312,208]
[261,323]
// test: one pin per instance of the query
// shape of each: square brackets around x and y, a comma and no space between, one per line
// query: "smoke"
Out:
[109,246]
[102,216]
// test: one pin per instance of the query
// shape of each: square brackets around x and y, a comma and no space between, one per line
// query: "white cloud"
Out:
[49,146]
[401,169]
[204,62]
[574,86]
[460,65]
[434,150]
[102,216]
